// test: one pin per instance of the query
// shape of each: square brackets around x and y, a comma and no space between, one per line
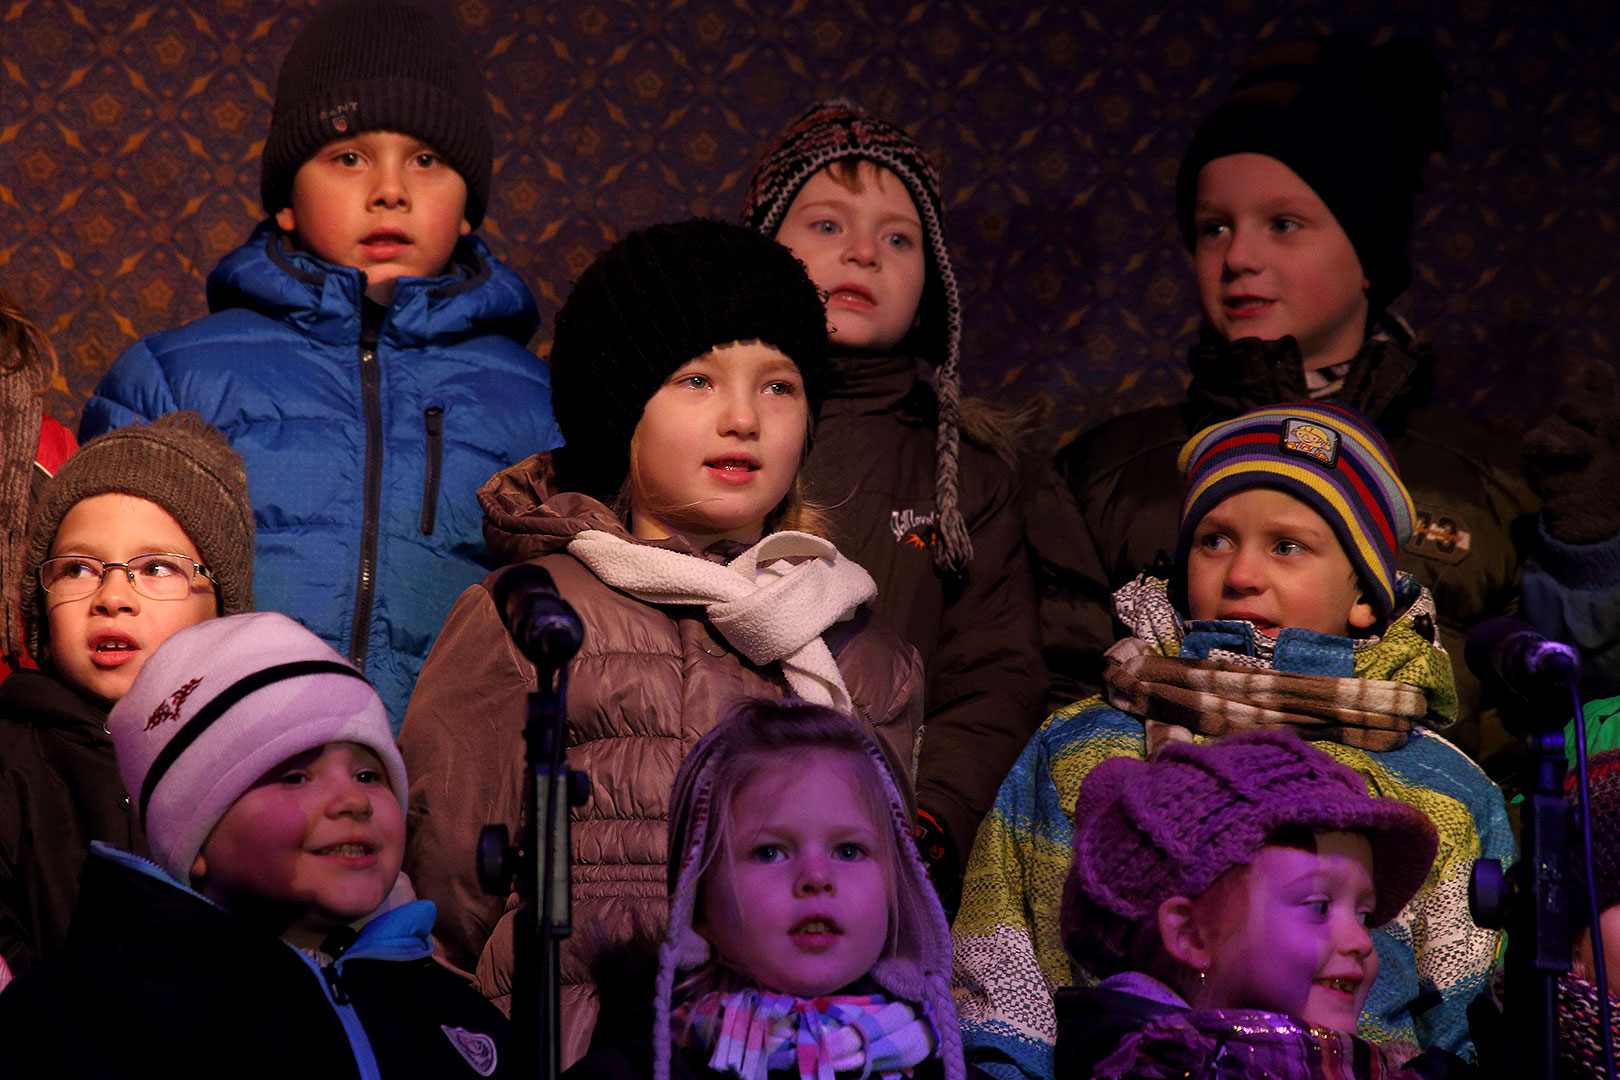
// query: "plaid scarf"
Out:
[1243,1044]
[748,1033]
[1233,692]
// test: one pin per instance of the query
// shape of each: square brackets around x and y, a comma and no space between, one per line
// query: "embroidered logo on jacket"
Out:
[169,709]
[477,1049]
[1311,440]
[914,529]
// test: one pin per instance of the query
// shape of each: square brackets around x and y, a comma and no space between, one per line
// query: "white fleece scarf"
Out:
[772,602]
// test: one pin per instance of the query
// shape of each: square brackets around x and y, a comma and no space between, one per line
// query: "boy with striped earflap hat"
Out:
[1283,612]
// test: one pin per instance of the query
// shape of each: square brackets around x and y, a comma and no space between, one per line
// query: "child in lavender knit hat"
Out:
[1225,890]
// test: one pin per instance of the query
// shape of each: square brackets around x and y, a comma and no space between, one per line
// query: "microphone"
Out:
[545,628]
[1515,654]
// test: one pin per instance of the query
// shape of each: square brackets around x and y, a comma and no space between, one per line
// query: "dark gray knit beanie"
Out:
[379,65]
[658,298]
[182,463]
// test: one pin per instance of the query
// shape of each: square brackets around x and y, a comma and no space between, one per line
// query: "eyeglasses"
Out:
[157,577]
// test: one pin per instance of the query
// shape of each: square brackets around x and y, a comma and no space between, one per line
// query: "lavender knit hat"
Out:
[221,703]
[1148,831]
[832,131]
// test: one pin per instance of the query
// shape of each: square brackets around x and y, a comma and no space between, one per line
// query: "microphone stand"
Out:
[549,635]
[1532,900]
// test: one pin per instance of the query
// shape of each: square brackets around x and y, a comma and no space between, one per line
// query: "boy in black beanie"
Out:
[366,353]
[1295,199]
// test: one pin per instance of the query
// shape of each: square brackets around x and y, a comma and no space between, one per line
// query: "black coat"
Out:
[156,981]
[59,790]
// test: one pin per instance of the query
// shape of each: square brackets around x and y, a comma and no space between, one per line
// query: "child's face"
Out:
[1585,963]
[1271,260]
[1292,937]
[1266,557]
[718,446]
[864,249]
[381,202]
[802,904]
[98,643]
[314,845]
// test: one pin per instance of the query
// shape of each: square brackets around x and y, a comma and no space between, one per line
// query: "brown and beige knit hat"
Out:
[833,131]
[182,463]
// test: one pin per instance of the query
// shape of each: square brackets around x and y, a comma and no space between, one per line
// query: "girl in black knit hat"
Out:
[689,362]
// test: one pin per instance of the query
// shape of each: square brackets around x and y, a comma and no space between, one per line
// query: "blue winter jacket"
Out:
[366,436]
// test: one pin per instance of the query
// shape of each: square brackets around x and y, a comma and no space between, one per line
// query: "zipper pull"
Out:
[335,984]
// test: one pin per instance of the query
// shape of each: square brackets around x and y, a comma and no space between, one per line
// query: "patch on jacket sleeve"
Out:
[476,1048]
[1440,535]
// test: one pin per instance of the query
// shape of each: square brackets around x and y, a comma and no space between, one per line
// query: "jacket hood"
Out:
[525,517]
[1389,377]
[477,294]
[915,967]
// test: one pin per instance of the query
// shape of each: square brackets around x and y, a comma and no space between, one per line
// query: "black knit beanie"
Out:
[182,463]
[379,65]
[832,131]
[1603,785]
[1356,123]
[658,298]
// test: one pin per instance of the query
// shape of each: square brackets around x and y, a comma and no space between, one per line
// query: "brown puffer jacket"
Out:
[647,683]
[1122,505]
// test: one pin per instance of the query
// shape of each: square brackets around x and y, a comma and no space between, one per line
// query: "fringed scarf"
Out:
[750,1033]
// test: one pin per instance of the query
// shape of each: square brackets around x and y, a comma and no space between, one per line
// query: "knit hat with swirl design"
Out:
[833,131]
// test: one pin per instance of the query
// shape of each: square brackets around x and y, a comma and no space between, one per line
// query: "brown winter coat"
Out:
[1122,506]
[647,683]
[872,466]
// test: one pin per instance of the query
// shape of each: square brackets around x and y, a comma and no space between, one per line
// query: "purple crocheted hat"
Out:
[1148,831]
[1603,784]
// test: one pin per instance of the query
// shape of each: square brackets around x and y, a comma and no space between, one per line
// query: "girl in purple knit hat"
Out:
[1224,891]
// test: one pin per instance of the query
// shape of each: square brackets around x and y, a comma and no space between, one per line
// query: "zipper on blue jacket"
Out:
[365,1058]
[371,401]
[433,421]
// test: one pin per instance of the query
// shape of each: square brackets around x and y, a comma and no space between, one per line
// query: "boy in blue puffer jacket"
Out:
[365,353]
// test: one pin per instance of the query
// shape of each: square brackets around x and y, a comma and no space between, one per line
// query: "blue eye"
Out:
[1289,547]
[766,853]
[694,382]
[850,852]
[825,227]
[899,241]
[782,388]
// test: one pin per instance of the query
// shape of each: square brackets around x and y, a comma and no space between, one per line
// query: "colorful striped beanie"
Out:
[1329,456]
[833,131]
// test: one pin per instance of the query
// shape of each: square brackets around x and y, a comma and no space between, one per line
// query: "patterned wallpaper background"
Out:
[130,133]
